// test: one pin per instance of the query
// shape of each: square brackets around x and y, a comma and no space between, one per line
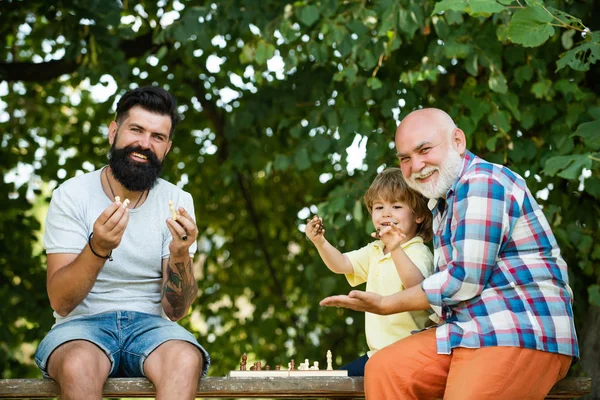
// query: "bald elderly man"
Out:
[500,291]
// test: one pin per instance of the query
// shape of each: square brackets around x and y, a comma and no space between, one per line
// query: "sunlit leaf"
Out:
[530,27]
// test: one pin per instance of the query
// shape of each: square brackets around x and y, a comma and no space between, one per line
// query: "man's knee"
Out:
[79,361]
[175,355]
[190,358]
[376,364]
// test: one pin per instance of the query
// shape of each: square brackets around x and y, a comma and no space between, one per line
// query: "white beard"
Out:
[448,172]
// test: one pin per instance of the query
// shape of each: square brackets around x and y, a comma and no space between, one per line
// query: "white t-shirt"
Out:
[133,280]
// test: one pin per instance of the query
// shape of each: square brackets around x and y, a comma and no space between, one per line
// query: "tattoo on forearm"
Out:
[180,287]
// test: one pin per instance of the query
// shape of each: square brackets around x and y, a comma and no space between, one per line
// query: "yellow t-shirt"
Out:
[378,270]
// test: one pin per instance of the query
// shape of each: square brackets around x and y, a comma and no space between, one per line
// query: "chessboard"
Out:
[304,370]
[286,373]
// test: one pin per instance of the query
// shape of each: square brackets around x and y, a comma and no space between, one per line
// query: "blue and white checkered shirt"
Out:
[499,277]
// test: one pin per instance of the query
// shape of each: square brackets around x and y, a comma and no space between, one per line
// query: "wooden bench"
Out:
[275,388]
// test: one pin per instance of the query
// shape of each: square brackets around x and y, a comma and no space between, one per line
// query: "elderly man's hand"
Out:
[359,301]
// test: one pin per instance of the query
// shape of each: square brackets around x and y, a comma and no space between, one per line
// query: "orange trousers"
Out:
[412,369]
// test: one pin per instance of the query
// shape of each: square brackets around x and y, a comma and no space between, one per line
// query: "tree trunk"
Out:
[590,351]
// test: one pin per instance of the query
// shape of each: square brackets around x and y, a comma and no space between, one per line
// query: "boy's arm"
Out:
[409,273]
[332,257]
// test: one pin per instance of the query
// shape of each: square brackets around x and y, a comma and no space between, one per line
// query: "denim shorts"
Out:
[126,337]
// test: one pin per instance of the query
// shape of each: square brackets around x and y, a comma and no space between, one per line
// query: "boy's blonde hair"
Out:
[389,185]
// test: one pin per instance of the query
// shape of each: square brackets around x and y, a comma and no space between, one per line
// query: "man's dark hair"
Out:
[150,98]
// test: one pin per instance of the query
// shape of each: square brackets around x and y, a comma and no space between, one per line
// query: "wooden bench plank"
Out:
[276,388]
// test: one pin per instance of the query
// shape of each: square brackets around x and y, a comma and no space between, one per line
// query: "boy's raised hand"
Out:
[391,235]
[314,229]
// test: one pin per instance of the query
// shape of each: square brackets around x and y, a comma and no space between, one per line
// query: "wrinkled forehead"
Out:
[411,137]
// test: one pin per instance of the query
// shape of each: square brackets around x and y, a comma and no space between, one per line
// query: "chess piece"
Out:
[277,367]
[315,365]
[243,362]
[268,368]
[292,366]
[329,361]
[306,364]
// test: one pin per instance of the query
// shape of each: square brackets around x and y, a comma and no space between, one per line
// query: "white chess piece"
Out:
[315,366]
[329,361]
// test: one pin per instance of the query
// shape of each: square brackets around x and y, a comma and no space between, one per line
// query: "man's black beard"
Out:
[134,176]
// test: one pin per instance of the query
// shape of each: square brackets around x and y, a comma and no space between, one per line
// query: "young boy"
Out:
[399,258]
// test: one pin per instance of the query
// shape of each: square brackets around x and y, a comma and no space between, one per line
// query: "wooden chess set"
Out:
[303,370]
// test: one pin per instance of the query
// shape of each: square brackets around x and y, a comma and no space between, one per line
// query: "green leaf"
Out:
[592,186]
[490,144]
[471,64]
[472,7]
[569,90]
[328,7]
[319,52]
[374,83]
[407,23]
[530,27]
[458,50]
[574,111]
[161,52]
[594,295]
[357,212]
[484,7]
[309,15]
[590,133]
[321,144]
[247,54]
[523,74]
[345,46]
[367,60]
[501,119]
[528,119]
[568,167]
[580,57]
[502,33]
[453,17]
[445,5]
[264,52]
[511,102]
[281,162]
[497,83]
[542,89]
[567,38]
[301,159]
[296,131]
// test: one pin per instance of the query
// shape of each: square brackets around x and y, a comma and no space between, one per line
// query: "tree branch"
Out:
[41,72]
[217,118]
[261,240]
[215,115]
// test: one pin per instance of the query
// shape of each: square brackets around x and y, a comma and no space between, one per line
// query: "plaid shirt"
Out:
[499,277]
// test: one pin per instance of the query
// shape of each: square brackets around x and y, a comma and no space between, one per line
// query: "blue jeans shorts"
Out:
[356,367]
[126,337]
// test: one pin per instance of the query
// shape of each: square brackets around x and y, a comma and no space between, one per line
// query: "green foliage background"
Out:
[519,77]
